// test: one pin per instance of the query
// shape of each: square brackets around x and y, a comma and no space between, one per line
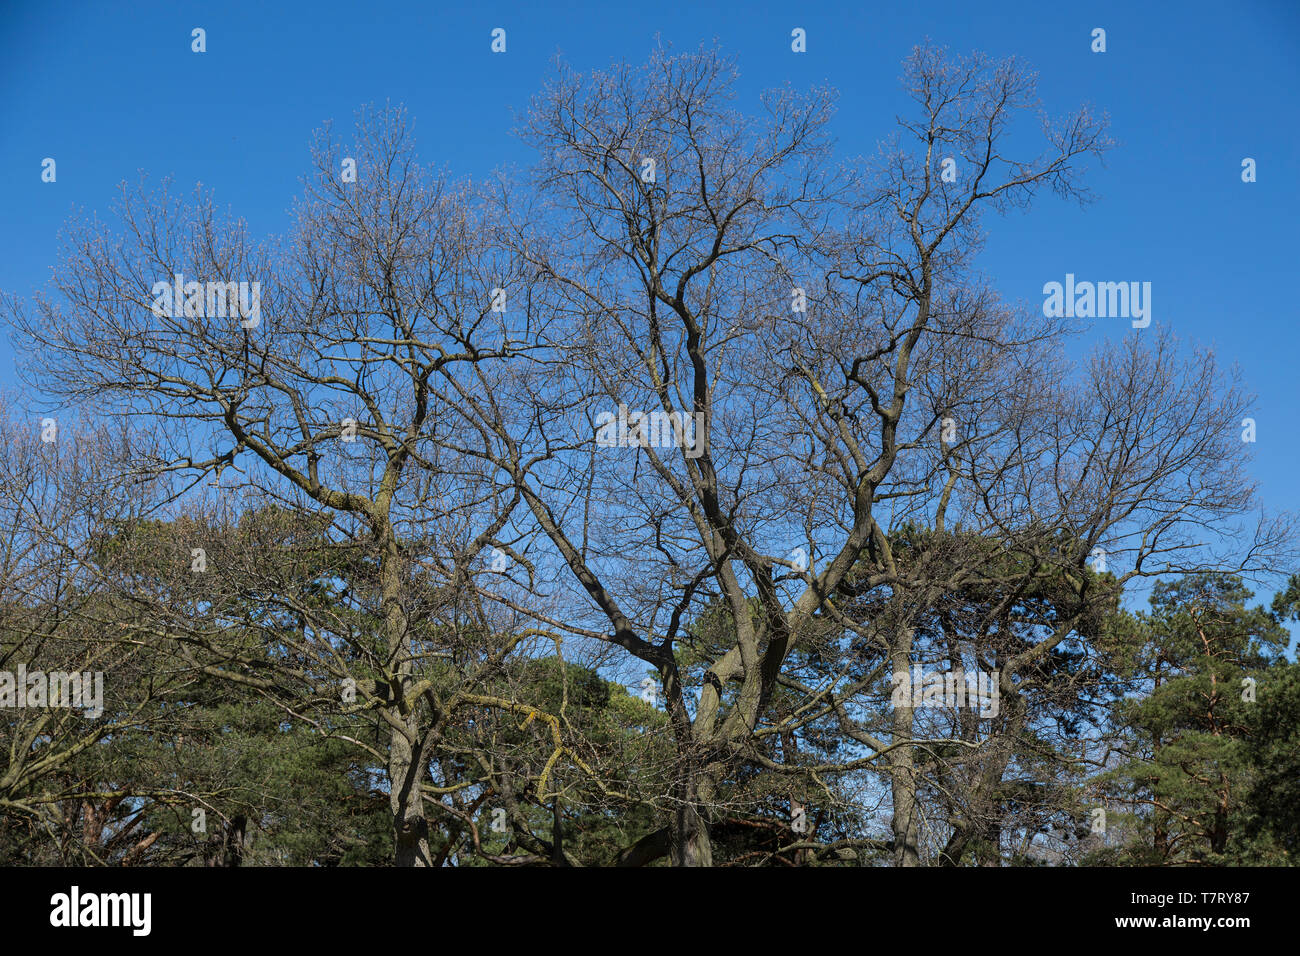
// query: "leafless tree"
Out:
[690,397]
[325,391]
[74,675]
[678,241]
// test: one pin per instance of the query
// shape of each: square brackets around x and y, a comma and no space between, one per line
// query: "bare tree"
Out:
[820,328]
[73,677]
[692,398]
[321,382]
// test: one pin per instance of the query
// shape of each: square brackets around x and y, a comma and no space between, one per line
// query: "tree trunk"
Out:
[405,770]
[692,845]
[406,758]
[902,776]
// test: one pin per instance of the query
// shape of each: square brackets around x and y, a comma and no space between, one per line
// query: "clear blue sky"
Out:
[108,89]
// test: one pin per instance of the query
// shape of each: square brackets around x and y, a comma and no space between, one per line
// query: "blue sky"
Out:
[109,89]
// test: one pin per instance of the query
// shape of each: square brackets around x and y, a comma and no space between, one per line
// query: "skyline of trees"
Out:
[358,565]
